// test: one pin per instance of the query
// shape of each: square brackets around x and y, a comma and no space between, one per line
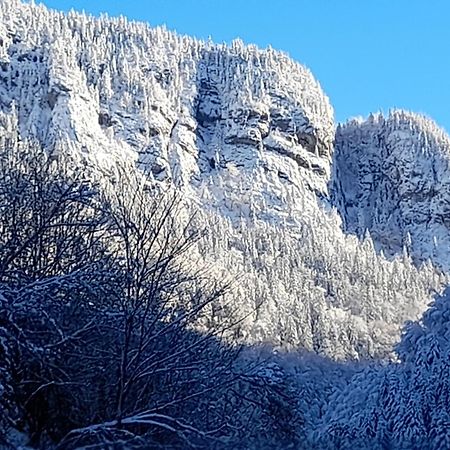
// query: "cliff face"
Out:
[191,112]
[391,177]
[247,136]
[245,131]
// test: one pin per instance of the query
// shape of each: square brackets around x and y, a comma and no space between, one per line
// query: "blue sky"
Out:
[369,55]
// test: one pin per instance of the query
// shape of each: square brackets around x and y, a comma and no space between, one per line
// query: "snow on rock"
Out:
[186,111]
[247,136]
[391,176]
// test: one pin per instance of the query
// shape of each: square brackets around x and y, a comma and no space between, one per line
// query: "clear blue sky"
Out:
[368,55]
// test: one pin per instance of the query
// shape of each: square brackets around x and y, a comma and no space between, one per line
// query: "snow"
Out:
[247,136]
[169,98]
[391,177]
[298,213]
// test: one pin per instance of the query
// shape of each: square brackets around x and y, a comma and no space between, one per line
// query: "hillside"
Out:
[391,177]
[245,134]
[331,237]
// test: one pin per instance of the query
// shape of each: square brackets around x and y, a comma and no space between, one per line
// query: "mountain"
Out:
[189,112]
[391,177]
[332,239]
[247,135]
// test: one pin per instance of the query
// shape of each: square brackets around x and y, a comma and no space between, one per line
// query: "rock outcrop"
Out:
[189,112]
[391,176]
[247,136]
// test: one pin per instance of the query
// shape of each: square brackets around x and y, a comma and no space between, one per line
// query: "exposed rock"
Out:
[184,101]
[246,135]
[104,119]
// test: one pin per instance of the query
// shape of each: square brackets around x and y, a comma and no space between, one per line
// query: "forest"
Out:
[114,334]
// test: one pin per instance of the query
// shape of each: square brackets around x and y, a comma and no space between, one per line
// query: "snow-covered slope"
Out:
[202,115]
[391,176]
[247,136]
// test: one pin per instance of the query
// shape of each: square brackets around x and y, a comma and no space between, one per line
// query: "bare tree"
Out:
[102,300]
[50,221]
[166,367]
[55,274]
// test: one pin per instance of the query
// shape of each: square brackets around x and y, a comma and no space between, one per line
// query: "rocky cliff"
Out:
[247,136]
[391,177]
[189,112]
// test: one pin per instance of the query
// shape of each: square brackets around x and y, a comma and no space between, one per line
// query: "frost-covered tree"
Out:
[99,303]
[403,404]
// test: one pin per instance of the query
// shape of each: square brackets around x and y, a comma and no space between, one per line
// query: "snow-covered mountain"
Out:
[247,136]
[391,176]
[190,112]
